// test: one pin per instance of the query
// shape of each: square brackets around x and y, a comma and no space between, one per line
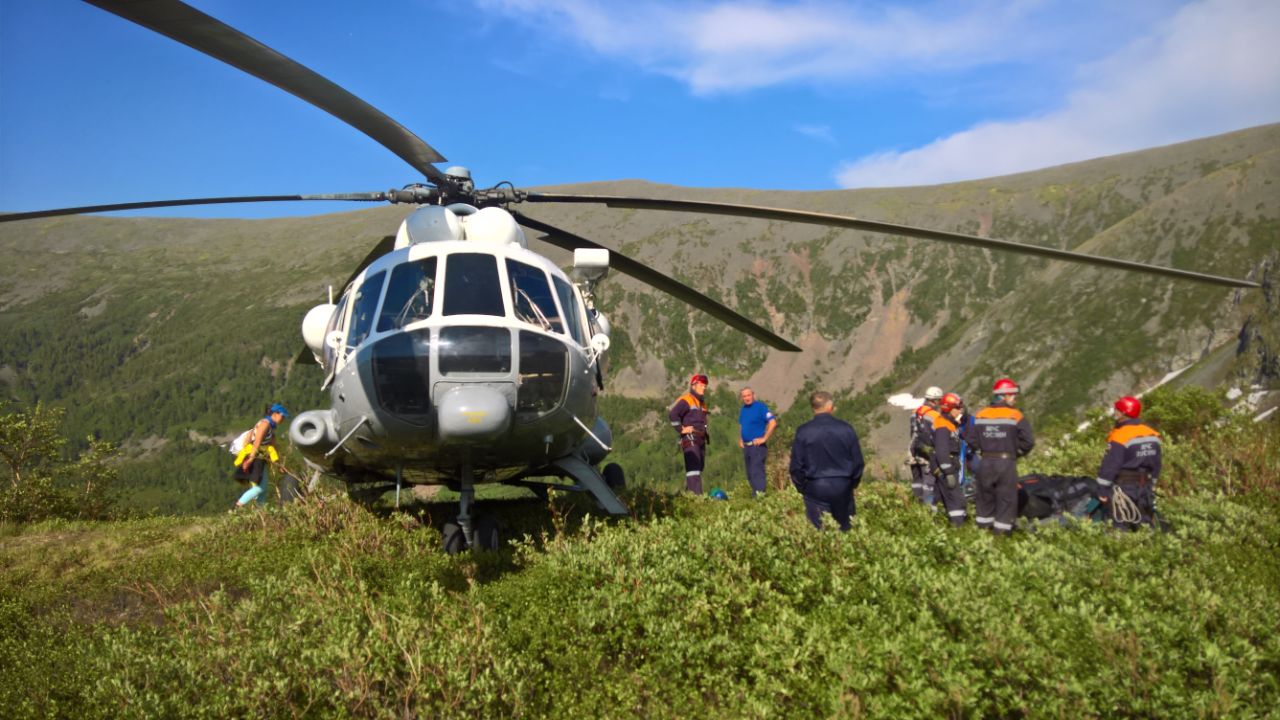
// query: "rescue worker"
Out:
[945,464]
[921,448]
[688,417]
[826,464]
[249,465]
[1130,465]
[757,423]
[1001,434]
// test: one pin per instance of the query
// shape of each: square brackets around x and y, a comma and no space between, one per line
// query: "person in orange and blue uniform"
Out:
[688,417]
[946,458]
[922,445]
[1001,434]
[1131,464]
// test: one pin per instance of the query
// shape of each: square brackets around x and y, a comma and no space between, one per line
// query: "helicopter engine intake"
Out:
[313,432]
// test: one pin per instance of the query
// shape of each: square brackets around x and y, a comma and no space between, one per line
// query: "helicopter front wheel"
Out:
[614,477]
[487,536]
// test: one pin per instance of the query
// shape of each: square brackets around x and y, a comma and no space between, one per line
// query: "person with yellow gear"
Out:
[250,466]
[1130,467]
[1001,434]
[946,458]
[922,445]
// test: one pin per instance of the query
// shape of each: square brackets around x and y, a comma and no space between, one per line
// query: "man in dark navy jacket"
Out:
[826,463]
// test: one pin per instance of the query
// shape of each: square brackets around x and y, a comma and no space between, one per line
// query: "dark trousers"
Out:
[996,505]
[694,456]
[953,501]
[829,495]
[919,473]
[754,456]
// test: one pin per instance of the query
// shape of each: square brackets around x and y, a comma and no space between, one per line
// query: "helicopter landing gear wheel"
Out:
[614,477]
[487,537]
[454,540]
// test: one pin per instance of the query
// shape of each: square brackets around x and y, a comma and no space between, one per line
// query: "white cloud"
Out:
[733,46]
[1210,68]
[817,132]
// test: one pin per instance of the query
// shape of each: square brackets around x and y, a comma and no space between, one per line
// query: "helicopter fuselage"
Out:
[456,355]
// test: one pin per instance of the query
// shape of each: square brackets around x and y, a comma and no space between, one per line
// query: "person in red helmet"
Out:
[1001,434]
[946,458]
[688,418]
[1131,465]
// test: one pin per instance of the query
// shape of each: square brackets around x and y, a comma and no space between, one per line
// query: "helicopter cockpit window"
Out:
[544,363]
[335,323]
[363,306]
[531,297]
[471,285]
[569,301]
[410,293]
[475,350]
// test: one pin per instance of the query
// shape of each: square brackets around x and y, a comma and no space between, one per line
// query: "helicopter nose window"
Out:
[402,373]
[544,362]
[409,294]
[366,302]
[569,301]
[531,297]
[475,350]
[471,285]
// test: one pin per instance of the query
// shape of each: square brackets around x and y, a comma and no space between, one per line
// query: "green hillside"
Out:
[166,335]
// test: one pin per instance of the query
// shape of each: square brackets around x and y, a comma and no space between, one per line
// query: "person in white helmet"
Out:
[921,448]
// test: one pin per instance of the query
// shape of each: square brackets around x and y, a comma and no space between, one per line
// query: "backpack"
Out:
[243,439]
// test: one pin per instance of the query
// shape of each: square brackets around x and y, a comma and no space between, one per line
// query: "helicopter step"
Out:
[593,482]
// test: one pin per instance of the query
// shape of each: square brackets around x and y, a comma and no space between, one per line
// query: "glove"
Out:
[952,482]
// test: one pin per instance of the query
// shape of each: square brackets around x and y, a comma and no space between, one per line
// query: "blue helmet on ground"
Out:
[718,494]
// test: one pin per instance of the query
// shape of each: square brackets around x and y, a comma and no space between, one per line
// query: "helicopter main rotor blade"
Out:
[852,223]
[647,275]
[384,246]
[84,209]
[218,40]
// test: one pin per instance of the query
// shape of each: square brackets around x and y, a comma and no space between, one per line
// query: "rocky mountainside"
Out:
[163,333]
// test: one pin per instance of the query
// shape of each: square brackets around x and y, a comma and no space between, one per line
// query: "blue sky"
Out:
[785,95]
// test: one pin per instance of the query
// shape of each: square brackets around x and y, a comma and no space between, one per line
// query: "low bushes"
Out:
[697,607]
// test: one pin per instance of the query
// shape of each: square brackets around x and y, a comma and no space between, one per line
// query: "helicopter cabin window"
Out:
[363,306]
[402,373]
[465,350]
[410,294]
[471,285]
[531,297]
[573,315]
[335,323]
[544,363]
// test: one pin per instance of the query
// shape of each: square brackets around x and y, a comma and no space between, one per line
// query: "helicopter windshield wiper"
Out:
[538,315]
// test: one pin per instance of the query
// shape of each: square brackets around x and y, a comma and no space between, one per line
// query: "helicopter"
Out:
[454,354]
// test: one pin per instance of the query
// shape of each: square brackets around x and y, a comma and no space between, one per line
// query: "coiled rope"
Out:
[1124,509]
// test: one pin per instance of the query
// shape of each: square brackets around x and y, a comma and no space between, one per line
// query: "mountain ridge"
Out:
[167,328]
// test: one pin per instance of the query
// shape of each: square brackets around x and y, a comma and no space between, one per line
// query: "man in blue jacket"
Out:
[826,463]
[757,424]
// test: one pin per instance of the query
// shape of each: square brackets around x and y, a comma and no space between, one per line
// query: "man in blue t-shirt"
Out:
[757,425]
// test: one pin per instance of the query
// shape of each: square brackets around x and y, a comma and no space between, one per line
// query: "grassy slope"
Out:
[693,608]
